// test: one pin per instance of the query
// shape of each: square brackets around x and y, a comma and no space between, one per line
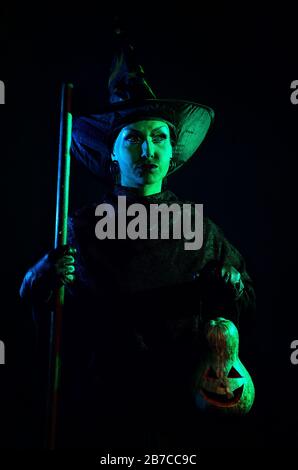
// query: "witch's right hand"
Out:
[62,261]
[55,269]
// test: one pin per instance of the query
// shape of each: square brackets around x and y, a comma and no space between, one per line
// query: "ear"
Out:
[172,164]
[113,157]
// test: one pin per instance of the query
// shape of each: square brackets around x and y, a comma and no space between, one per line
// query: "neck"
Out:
[145,189]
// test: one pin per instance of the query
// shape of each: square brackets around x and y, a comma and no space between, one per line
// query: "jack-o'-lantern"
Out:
[222,383]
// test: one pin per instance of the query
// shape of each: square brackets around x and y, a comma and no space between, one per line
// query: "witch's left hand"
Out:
[232,279]
[220,279]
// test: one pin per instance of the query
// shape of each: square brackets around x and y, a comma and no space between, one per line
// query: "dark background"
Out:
[241,63]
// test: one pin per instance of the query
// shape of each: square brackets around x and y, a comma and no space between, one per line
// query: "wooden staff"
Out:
[62,201]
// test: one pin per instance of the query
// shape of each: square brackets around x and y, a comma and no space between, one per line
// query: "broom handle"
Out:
[62,201]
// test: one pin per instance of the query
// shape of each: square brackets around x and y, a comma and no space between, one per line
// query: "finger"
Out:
[66,250]
[235,278]
[239,288]
[60,264]
[58,253]
[68,278]
[224,272]
[227,276]
[63,270]
[69,269]
[68,259]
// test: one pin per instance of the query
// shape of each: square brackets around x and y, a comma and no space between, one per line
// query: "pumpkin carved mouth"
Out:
[223,399]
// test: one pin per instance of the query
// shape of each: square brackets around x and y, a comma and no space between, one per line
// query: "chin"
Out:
[150,180]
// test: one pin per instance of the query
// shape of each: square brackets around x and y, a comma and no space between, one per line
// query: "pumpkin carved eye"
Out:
[234,374]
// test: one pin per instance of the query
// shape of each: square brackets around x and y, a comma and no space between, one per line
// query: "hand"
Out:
[55,269]
[232,279]
[63,264]
[223,279]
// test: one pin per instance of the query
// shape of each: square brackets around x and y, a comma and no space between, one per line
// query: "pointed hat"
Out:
[132,100]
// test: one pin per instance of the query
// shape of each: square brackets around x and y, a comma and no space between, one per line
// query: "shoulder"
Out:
[82,217]
[215,237]
[85,214]
[213,230]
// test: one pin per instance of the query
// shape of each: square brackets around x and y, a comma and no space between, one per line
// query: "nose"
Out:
[147,149]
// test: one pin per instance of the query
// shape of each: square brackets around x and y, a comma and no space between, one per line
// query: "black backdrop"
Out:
[241,63]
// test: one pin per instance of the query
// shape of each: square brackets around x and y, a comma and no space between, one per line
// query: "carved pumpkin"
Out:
[222,382]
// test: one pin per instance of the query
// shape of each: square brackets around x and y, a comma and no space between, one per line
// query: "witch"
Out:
[140,313]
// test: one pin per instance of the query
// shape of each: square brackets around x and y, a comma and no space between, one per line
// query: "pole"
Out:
[62,201]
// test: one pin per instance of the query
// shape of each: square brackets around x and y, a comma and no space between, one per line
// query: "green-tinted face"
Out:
[143,150]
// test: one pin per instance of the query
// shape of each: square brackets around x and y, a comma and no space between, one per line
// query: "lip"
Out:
[148,166]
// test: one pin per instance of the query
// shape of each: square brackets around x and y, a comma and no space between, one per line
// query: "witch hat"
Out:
[131,100]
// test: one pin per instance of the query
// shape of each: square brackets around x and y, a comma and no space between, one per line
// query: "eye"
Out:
[159,138]
[133,138]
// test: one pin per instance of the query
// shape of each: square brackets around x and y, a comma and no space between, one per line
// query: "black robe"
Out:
[133,327]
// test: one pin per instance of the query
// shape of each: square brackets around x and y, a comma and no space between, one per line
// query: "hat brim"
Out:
[92,135]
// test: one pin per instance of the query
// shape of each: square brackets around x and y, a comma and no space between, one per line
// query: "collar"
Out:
[133,196]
